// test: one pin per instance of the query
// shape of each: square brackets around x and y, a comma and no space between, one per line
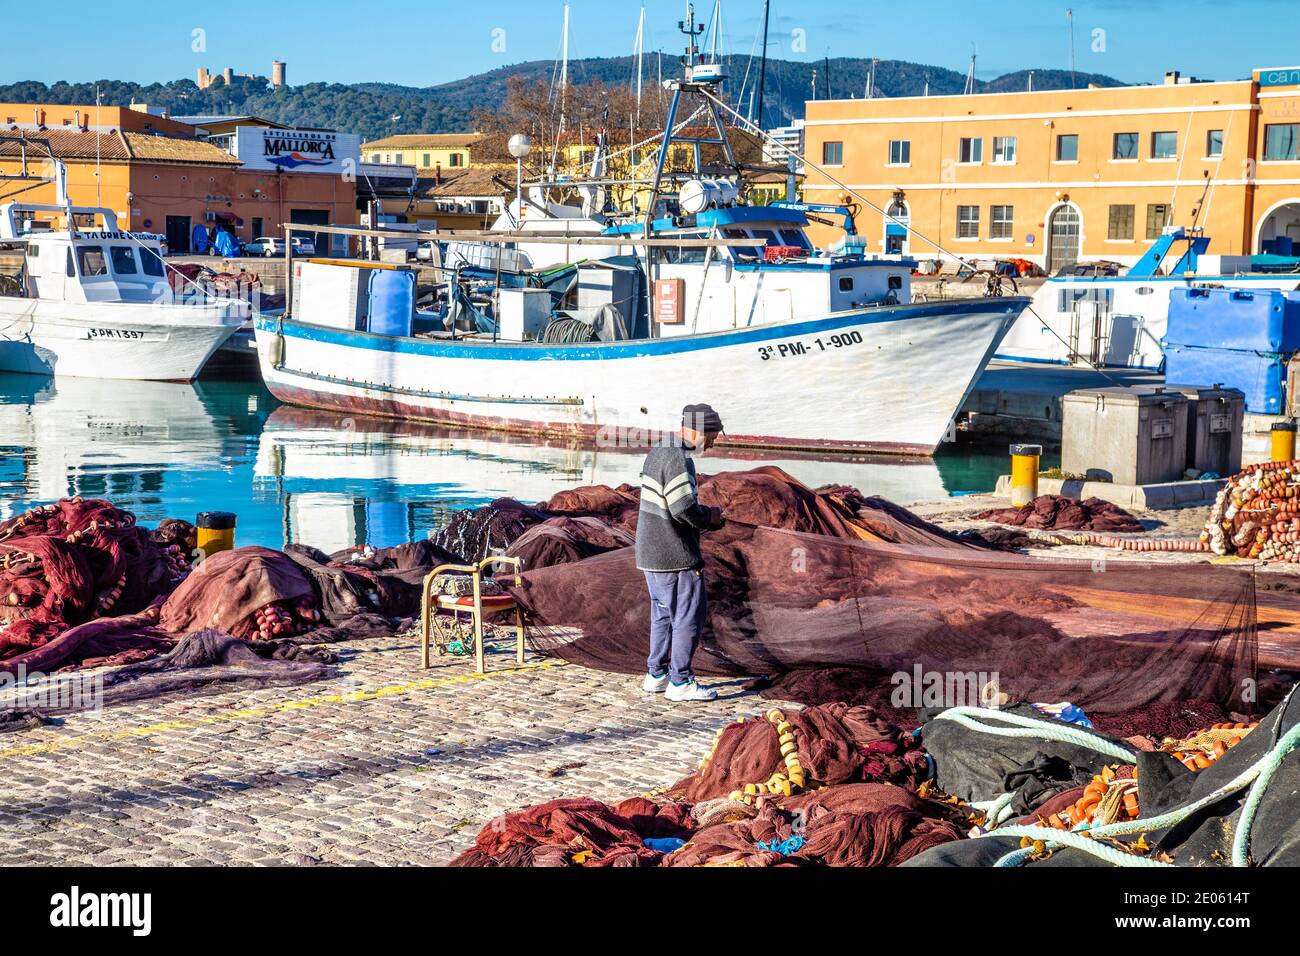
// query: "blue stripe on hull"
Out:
[480,349]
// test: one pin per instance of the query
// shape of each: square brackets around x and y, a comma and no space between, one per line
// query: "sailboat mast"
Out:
[762,69]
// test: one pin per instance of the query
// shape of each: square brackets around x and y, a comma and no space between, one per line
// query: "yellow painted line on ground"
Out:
[266,710]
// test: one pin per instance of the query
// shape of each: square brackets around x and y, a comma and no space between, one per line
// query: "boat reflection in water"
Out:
[415,474]
[322,478]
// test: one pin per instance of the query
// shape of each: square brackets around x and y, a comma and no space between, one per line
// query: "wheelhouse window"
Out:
[1121,222]
[1067,148]
[1125,147]
[1282,142]
[900,152]
[151,263]
[91,261]
[968,222]
[1164,145]
[832,154]
[1159,215]
[1214,144]
[1000,221]
[123,260]
[970,150]
[1004,149]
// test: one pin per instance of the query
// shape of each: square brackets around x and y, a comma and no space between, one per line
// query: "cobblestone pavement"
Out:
[386,764]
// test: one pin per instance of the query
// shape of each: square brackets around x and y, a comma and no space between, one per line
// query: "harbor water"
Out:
[300,476]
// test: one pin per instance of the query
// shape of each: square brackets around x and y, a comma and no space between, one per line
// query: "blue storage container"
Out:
[392,301]
[1284,246]
[1261,376]
[1243,319]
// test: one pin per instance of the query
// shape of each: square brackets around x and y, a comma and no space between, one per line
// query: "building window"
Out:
[426,163]
[259,224]
[1004,149]
[1067,148]
[374,158]
[1164,145]
[900,152]
[971,150]
[1159,215]
[1214,144]
[968,222]
[832,154]
[1000,219]
[1121,222]
[1126,146]
[1280,142]
[457,160]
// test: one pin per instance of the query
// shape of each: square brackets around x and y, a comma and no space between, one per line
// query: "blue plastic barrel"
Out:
[392,301]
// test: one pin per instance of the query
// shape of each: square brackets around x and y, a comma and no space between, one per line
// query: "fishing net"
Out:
[841,814]
[1109,636]
[1058,513]
[70,563]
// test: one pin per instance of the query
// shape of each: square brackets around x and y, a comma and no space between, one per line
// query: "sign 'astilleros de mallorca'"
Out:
[296,150]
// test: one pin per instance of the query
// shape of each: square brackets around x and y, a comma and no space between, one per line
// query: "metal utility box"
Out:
[523,313]
[1214,427]
[1136,435]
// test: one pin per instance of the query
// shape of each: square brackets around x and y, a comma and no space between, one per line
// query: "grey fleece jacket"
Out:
[671,517]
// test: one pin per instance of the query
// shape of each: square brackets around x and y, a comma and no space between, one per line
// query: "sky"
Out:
[435,41]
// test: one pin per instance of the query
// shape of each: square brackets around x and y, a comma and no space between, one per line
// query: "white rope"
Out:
[1032,727]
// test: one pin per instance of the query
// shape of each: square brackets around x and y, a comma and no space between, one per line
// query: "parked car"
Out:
[272,246]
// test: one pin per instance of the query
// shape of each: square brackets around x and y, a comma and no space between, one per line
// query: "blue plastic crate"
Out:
[1261,376]
[1240,319]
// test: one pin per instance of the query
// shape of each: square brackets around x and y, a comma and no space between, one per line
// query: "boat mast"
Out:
[762,69]
[638,50]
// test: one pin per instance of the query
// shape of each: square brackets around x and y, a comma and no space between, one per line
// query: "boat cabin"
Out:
[780,278]
[90,265]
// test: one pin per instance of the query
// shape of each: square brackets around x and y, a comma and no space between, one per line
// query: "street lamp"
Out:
[520,145]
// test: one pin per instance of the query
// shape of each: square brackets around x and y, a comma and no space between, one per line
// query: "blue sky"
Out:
[435,41]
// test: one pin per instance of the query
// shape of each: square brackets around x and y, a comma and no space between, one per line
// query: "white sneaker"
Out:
[690,691]
[654,685]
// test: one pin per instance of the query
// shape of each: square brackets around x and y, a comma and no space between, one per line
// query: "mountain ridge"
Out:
[376,109]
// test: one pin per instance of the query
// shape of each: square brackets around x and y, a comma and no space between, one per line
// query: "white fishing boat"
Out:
[1120,320]
[97,302]
[795,348]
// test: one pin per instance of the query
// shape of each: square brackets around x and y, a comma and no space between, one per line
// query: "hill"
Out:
[381,109]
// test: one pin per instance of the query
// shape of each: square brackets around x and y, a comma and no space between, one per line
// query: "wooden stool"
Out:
[477,605]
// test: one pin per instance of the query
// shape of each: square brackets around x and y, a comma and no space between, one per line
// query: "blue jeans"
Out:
[678,608]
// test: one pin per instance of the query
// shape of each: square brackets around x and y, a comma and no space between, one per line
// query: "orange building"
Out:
[157,177]
[1063,176]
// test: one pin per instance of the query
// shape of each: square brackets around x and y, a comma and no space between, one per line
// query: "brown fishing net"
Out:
[833,591]
[1058,513]
[842,813]
[69,563]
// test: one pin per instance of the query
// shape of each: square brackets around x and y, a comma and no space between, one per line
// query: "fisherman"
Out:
[668,551]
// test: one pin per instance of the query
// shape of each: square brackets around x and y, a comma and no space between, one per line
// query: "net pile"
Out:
[1257,514]
[71,563]
[856,799]
[1058,513]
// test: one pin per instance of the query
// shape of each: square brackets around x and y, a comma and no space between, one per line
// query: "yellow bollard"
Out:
[1024,473]
[216,532]
[1283,435]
